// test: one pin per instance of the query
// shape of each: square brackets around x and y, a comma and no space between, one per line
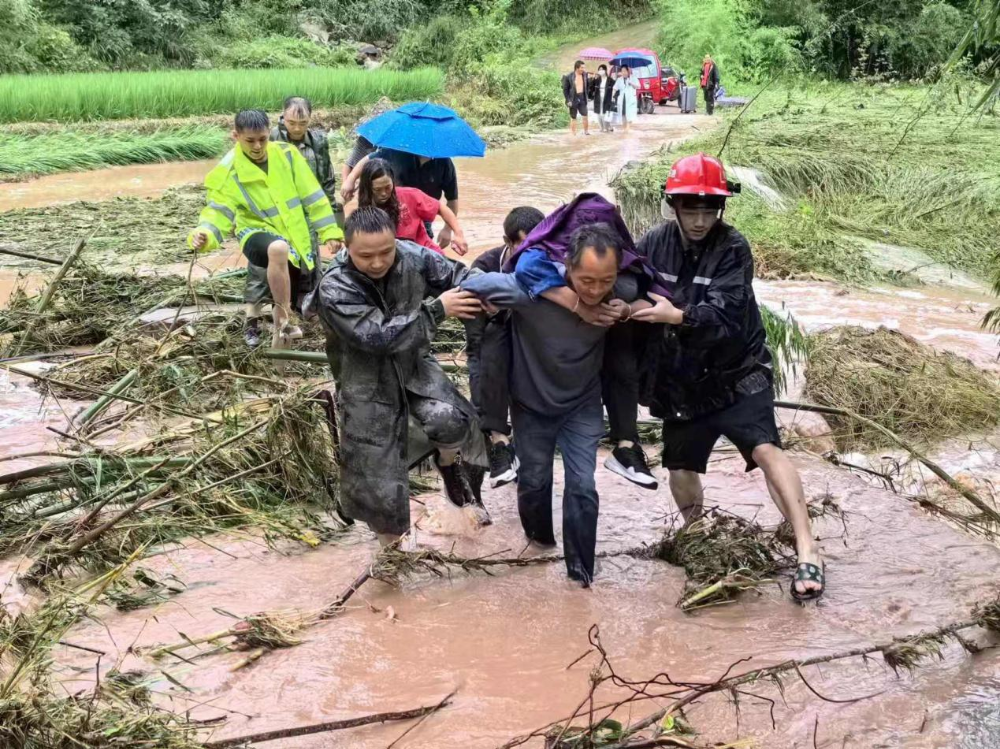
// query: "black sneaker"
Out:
[456,485]
[251,334]
[630,463]
[503,464]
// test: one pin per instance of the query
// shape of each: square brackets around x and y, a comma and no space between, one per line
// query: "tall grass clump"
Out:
[72,151]
[907,387]
[184,93]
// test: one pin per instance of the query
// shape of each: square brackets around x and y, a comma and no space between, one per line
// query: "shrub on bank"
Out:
[283,52]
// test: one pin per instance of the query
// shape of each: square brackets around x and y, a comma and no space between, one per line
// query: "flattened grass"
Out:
[71,151]
[183,93]
[855,165]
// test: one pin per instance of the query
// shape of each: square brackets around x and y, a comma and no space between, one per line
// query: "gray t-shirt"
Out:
[556,356]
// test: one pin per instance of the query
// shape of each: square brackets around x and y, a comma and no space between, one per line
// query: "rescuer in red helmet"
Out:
[710,372]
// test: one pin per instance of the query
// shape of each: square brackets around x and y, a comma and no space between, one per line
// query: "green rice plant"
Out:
[71,151]
[182,93]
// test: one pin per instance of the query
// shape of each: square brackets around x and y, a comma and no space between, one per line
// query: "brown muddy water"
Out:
[506,642]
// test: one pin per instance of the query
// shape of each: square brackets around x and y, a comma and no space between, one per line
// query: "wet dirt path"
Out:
[505,642]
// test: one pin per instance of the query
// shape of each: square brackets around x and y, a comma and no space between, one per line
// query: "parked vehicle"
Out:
[657,84]
[671,84]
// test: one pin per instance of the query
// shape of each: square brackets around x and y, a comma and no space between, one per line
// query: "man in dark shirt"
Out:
[435,177]
[488,352]
[556,387]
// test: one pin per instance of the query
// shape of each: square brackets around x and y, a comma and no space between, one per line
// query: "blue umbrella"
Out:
[428,130]
[628,60]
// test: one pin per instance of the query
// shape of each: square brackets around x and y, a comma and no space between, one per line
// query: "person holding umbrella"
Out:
[418,140]
[626,89]
[604,96]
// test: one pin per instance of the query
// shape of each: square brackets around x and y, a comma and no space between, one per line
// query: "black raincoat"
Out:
[379,337]
[720,351]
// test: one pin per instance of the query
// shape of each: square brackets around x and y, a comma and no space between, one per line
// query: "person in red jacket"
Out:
[409,207]
[709,82]
[711,373]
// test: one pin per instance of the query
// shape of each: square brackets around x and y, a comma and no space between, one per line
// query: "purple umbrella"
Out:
[597,53]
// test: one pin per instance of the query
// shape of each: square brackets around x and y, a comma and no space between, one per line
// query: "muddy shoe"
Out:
[294,332]
[251,335]
[456,485]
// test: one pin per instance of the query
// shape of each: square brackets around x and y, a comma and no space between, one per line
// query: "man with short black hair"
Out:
[556,385]
[488,353]
[576,92]
[711,368]
[375,303]
[267,193]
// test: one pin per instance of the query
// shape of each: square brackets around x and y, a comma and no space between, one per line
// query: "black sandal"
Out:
[808,572]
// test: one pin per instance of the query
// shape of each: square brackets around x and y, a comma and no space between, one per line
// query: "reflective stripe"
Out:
[212,228]
[310,199]
[324,222]
[668,277]
[270,212]
[246,196]
[288,155]
[294,203]
[224,210]
[702,280]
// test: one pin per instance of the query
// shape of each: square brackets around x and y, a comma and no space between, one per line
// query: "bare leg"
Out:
[446,457]
[586,124]
[280,284]
[499,438]
[572,125]
[685,487]
[785,488]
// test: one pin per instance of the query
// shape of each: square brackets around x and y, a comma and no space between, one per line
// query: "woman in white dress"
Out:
[628,99]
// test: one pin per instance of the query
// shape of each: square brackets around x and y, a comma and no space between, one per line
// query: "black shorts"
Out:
[748,423]
[578,105]
[255,251]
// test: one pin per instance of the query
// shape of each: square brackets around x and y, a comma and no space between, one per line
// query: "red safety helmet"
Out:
[700,175]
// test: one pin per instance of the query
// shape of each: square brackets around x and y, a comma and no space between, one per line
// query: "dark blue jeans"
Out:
[577,434]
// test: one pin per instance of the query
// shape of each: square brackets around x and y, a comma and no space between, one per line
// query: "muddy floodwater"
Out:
[505,643]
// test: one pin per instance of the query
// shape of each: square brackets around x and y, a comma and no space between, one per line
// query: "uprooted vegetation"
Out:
[125,232]
[907,387]
[853,167]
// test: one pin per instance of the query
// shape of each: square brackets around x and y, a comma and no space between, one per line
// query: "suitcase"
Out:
[689,99]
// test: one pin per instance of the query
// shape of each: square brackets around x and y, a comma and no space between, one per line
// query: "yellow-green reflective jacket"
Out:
[286,201]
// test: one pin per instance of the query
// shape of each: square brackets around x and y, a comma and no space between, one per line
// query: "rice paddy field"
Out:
[185,93]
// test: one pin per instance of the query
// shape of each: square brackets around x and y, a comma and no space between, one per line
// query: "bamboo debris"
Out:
[906,652]
[266,465]
[900,652]
[335,725]
[990,516]
[46,299]
[391,565]
[722,555]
